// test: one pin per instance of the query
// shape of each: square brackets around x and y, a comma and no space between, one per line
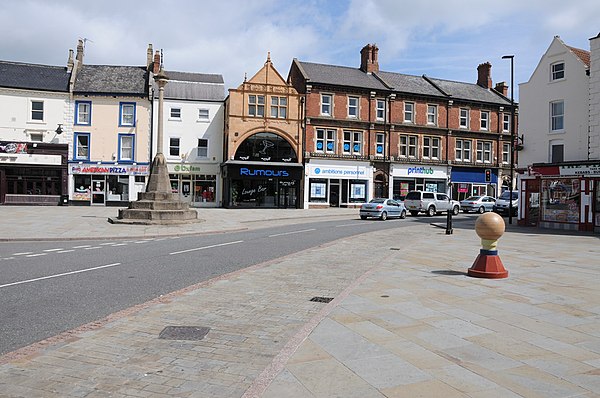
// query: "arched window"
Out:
[266,147]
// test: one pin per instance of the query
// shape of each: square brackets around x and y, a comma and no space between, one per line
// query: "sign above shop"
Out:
[134,170]
[580,170]
[416,171]
[338,171]
[183,168]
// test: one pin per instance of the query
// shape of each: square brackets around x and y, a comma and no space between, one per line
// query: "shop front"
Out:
[261,184]
[337,184]
[473,181]
[196,183]
[412,177]
[106,184]
[562,197]
[33,173]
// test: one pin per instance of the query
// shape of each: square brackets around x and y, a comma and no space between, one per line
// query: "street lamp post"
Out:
[512,135]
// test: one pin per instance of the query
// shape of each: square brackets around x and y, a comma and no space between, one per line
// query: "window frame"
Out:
[355,138]
[379,144]
[432,114]
[506,122]
[325,137]
[465,117]
[178,146]
[31,111]
[278,107]
[556,144]
[76,156]
[201,117]
[204,147]
[460,150]
[411,112]
[410,145]
[432,146]
[255,106]
[484,120]
[556,117]
[122,106]
[78,113]
[554,73]
[328,106]
[354,107]
[486,149]
[380,109]
[171,116]
[506,153]
[120,148]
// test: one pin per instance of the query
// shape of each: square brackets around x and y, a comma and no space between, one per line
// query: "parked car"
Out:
[382,208]
[479,204]
[503,202]
[430,203]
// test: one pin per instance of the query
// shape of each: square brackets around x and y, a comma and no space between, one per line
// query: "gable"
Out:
[268,75]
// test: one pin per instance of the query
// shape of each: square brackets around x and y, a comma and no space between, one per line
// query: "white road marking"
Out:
[92,248]
[348,225]
[58,275]
[107,243]
[119,244]
[66,251]
[293,232]
[207,247]
[53,250]
[36,255]
[22,253]
[81,247]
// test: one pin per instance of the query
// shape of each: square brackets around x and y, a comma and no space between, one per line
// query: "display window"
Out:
[561,200]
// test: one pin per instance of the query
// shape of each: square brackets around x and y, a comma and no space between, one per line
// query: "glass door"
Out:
[98,190]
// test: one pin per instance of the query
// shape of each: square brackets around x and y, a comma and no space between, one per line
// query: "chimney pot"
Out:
[156,64]
[484,75]
[368,58]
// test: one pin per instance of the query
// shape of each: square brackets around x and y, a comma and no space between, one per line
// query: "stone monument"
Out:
[158,205]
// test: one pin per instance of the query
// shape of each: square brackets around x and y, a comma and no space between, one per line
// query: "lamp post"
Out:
[512,135]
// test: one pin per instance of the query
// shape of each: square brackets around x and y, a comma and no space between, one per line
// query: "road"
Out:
[50,287]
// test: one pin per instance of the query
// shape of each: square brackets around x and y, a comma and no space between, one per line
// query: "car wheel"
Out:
[481,210]
[363,217]
[403,214]
[455,210]
[383,216]
[431,211]
[414,213]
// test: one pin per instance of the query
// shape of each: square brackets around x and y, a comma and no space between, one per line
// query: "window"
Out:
[279,107]
[175,113]
[203,114]
[485,120]
[557,149]
[126,147]
[202,151]
[557,115]
[464,118]
[174,146]
[408,146]
[36,137]
[484,151]
[506,153]
[557,71]
[325,141]
[353,107]
[380,109]
[127,114]
[432,115]
[379,144]
[83,113]
[352,142]
[409,112]
[326,104]
[463,150]
[82,146]
[37,111]
[256,105]
[506,122]
[431,147]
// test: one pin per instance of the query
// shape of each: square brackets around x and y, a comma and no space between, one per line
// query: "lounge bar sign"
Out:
[580,170]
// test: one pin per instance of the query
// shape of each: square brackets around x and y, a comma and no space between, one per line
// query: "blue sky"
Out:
[443,39]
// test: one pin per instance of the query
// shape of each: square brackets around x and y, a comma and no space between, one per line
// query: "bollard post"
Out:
[449,229]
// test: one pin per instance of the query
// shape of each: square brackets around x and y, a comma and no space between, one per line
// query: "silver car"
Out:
[479,204]
[382,208]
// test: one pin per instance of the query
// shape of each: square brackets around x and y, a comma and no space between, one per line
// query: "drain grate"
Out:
[183,333]
[321,299]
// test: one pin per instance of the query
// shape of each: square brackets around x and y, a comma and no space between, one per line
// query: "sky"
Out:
[442,39]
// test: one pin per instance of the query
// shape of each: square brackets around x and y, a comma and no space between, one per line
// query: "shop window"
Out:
[174,146]
[561,200]
[82,146]
[318,190]
[127,114]
[83,113]
[82,187]
[126,151]
[266,147]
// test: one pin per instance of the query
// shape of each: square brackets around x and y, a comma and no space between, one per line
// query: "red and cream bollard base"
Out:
[488,265]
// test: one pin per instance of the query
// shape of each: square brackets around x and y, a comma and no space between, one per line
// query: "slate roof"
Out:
[470,92]
[33,77]
[339,75]
[193,86]
[409,84]
[108,79]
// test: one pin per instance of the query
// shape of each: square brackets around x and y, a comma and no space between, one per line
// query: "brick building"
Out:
[370,133]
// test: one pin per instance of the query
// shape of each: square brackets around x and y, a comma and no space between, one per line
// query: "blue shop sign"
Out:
[473,175]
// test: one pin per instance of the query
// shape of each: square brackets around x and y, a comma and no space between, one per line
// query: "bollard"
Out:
[449,229]
[489,227]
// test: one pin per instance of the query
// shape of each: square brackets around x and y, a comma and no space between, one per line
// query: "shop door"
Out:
[596,205]
[2,186]
[98,190]
[186,191]
[334,193]
[287,197]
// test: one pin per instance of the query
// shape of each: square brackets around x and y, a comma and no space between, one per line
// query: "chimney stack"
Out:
[368,58]
[502,88]
[79,56]
[484,75]
[156,64]
[149,56]
[70,62]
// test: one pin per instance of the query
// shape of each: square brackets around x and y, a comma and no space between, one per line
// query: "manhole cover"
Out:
[183,333]
[321,299]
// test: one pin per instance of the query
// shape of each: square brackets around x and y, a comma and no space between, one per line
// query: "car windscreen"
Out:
[506,194]
[413,196]
[377,201]
[473,198]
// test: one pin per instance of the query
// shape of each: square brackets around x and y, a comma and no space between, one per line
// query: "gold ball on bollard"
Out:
[489,226]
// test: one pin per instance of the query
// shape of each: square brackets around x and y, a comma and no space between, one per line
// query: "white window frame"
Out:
[506,122]
[203,114]
[432,118]
[353,104]
[380,109]
[36,111]
[463,120]
[379,143]
[86,120]
[505,152]
[122,148]
[431,147]
[278,107]
[463,150]
[172,147]
[175,113]
[202,150]
[484,152]
[36,136]
[410,112]
[555,117]
[256,105]
[484,120]
[326,106]
[327,139]
[352,138]
[557,73]
[408,146]
[82,152]
[123,115]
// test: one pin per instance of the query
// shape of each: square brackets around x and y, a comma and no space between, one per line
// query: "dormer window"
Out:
[557,71]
